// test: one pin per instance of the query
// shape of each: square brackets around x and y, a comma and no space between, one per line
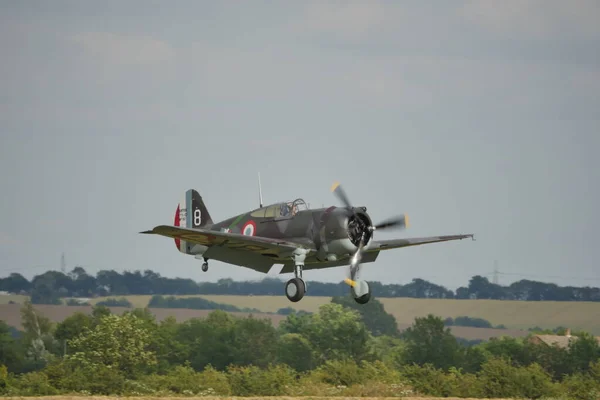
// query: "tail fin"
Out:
[191,213]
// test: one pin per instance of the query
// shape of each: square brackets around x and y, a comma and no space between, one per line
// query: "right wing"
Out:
[379,245]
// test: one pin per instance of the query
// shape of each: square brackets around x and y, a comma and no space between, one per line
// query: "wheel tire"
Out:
[205,267]
[364,299]
[295,289]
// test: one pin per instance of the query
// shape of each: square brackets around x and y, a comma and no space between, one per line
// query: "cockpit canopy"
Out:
[281,210]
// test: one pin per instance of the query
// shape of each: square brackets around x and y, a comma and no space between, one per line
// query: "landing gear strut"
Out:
[205,265]
[359,289]
[295,288]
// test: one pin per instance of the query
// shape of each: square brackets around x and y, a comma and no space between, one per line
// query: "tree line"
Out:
[338,350]
[49,287]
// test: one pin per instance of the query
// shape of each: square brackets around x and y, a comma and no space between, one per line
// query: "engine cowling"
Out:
[341,231]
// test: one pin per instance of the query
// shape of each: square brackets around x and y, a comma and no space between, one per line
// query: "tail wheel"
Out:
[295,289]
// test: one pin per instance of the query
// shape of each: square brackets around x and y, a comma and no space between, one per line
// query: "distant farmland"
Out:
[517,316]
[512,314]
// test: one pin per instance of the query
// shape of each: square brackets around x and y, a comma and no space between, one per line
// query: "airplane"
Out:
[292,234]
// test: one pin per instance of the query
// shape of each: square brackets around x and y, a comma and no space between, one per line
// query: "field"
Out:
[228,397]
[515,315]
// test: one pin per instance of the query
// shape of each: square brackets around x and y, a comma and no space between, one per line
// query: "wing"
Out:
[379,245]
[258,253]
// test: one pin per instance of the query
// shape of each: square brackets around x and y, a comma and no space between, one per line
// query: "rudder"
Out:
[191,213]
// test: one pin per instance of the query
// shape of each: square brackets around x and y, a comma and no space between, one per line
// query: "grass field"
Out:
[512,314]
[515,315]
[17,298]
[231,397]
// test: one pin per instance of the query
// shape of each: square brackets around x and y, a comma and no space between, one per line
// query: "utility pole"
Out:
[495,278]
[63,263]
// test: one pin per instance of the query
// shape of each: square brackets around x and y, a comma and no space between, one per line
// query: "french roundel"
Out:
[249,228]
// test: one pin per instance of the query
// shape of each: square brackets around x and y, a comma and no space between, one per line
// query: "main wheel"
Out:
[295,289]
[362,293]
[205,267]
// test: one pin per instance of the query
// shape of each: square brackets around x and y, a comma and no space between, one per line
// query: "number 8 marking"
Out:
[197,216]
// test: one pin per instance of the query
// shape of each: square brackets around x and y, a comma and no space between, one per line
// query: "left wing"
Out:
[378,245]
[273,248]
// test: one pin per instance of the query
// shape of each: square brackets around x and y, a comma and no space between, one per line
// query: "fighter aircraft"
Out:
[289,233]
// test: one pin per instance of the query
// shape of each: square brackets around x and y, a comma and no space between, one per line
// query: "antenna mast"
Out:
[260,199]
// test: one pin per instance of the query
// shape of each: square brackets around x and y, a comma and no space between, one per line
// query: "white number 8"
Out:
[197,217]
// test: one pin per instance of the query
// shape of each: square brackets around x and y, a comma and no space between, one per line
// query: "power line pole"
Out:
[495,278]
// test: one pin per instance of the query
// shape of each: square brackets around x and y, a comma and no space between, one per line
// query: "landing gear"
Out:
[359,289]
[205,265]
[361,292]
[295,288]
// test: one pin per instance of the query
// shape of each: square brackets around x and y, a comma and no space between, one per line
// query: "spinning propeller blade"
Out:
[395,222]
[341,195]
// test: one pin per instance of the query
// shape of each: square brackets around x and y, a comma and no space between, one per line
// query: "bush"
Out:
[468,321]
[185,380]
[428,380]
[253,381]
[122,302]
[32,384]
[96,379]
[584,386]
[349,373]
[194,303]
[286,311]
[499,378]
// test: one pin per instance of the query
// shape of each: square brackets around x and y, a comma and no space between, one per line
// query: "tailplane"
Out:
[191,213]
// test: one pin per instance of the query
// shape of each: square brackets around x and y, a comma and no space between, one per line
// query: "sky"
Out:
[470,116]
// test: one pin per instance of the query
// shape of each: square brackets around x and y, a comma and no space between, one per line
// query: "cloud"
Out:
[7,240]
[537,19]
[123,50]
[346,19]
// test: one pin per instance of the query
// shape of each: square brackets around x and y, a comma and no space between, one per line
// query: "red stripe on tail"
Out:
[176,223]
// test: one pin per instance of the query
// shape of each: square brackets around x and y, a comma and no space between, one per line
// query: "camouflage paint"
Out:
[322,233]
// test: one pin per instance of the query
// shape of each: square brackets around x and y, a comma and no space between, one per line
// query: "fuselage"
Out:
[332,230]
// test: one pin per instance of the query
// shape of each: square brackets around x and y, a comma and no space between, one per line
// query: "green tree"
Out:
[296,351]
[373,314]
[209,341]
[429,341]
[10,351]
[72,326]
[169,350]
[389,349]
[337,333]
[513,349]
[119,342]
[38,335]
[255,342]
[583,351]
[295,323]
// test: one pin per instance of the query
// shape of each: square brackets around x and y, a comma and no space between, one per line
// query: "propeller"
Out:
[398,222]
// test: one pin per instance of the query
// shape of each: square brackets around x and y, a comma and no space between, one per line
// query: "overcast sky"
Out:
[471,116]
